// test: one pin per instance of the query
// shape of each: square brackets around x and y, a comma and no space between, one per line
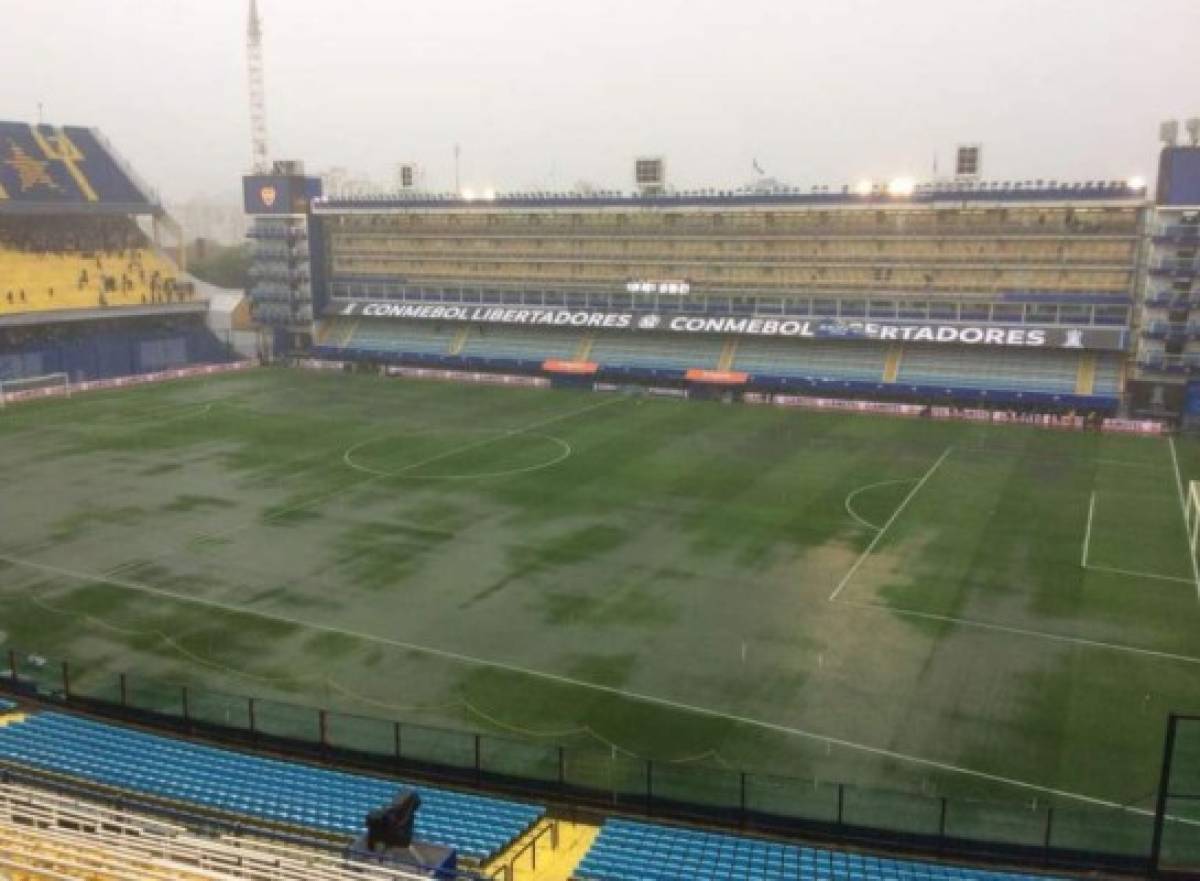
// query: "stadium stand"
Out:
[46,835]
[1002,369]
[49,263]
[632,851]
[521,345]
[84,290]
[68,166]
[268,789]
[419,339]
[677,353]
[1061,259]
[111,348]
[812,359]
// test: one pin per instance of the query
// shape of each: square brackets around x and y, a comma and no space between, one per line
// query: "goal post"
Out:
[28,387]
[1191,515]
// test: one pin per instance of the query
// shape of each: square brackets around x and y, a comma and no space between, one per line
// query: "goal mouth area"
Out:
[26,388]
[1191,522]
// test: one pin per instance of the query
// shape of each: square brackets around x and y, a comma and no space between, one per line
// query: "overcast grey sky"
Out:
[554,91]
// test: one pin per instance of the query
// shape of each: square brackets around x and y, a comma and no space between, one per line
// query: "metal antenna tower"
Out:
[258,102]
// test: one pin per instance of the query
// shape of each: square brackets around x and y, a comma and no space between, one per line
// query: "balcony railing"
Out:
[1168,330]
[1162,363]
[1175,266]
[1176,231]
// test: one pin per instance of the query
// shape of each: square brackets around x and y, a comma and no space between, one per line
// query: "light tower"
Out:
[258,103]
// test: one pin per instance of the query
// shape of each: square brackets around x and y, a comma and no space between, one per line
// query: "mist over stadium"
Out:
[424,515]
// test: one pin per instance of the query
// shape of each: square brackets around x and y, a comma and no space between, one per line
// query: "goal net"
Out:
[1191,515]
[27,387]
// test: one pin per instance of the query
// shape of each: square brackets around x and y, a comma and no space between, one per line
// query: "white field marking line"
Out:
[1021,631]
[1087,535]
[204,410]
[883,529]
[1134,574]
[1183,513]
[560,679]
[564,451]
[854,494]
[222,533]
[1087,542]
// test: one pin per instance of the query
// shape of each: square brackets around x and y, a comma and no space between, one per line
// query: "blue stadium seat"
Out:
[991,369]
[812,359]
[521,344]
[269,789]
[657,351]
[631,851]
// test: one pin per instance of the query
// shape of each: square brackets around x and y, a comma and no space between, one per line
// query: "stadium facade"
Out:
[1032,294]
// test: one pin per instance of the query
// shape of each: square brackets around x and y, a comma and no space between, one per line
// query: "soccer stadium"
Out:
[846,533]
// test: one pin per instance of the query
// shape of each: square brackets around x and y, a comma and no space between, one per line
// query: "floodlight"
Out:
[864,187]
[901,186]
[1137,182]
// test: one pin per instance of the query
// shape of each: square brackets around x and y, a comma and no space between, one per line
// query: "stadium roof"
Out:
[864,194]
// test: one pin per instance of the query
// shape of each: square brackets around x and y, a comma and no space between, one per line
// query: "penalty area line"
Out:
[1022,631]
[560,679]
[1087,535]
[1130,573]
[886,526]
[1183,513]
[1113,570]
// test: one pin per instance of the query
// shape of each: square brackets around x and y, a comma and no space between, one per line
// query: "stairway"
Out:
[550,851]
[728,353]
[585,348]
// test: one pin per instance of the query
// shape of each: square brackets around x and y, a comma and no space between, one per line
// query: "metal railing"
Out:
[1067,833]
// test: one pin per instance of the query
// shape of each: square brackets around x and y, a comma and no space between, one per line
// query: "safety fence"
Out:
[1064,832]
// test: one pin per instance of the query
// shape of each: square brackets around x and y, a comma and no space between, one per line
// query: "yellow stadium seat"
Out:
[37,282]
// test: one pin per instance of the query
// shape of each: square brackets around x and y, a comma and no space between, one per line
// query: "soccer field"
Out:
[887,602]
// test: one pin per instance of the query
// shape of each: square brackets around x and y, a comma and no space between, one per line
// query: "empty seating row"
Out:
[1008,369]
[812,359]
[269,789]
[951,367]
[391,336]
[1108,376]
[631,851]
[661,351]
[521,344]
[45,835]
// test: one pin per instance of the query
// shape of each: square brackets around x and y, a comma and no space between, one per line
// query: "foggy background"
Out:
[550,92]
